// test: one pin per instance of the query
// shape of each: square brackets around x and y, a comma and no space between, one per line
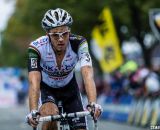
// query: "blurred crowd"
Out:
[129,79]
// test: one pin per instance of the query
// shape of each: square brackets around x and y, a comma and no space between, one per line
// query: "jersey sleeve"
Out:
[83,54]
[33,59]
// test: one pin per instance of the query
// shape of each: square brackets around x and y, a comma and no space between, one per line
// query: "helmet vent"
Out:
[45,24]
[56,15]
[49,19]
[64,17]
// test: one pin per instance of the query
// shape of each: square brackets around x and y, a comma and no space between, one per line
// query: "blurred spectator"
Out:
[129,67]
[117,84]
[137,81]
[152,84]
[23,92]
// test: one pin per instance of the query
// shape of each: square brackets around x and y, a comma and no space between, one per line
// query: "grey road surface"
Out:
[13,118]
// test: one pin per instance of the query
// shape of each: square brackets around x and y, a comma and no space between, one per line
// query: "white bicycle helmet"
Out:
[56,18]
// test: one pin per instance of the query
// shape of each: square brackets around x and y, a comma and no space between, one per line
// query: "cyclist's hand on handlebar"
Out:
[95,110]
[32,117]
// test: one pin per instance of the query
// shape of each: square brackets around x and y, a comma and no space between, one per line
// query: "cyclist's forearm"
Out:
[33,97]
[91,91]
[34,90]
[87,73]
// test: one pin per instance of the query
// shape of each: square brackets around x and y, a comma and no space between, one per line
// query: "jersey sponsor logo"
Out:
[40,42]
[48,68]
[43,40]
[35,43]
[64,69]
[69,67]
[55,72]
[34,63]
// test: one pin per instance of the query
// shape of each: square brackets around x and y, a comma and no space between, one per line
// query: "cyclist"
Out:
[51,63]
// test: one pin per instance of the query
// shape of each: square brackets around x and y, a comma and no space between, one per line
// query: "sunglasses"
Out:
[59,35]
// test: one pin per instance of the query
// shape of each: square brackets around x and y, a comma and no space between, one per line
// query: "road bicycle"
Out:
[63,118]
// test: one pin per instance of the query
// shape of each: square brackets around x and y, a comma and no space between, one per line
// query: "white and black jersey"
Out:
[42,58]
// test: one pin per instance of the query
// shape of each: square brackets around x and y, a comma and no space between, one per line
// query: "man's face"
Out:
[59,38]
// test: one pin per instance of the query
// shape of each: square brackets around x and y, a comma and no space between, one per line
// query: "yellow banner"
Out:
[105,38]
